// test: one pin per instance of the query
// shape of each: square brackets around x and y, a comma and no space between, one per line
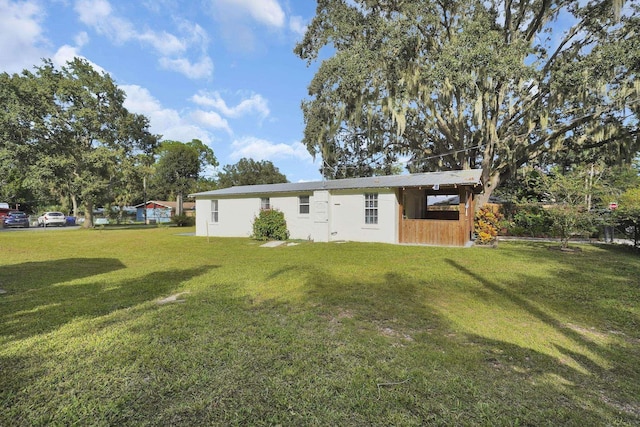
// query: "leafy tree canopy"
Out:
[67,132]
[179,166]
[599,184]
[250,172]
[628,212]
[459,84]
[206,156]
[629,203]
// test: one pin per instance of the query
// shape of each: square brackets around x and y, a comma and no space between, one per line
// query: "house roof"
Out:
[165,204]
[431,179]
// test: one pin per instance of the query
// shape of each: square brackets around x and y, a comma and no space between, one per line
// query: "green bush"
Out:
[569,221]
[270,225]
[628,214]
[183,220]
[530,220]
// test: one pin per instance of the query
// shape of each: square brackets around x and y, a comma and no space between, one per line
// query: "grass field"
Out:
[313,334]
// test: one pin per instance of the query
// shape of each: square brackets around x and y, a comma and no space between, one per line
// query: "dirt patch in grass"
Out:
[392,333]
[335,320]
[173,299]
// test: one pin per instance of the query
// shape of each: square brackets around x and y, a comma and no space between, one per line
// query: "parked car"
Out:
[16,219]
[52,218]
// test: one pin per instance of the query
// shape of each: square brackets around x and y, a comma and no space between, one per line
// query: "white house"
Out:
[430,208]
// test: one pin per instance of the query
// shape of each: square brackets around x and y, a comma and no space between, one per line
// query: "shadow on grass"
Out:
[18,278]
[533,385]
[602,280]
[382,299]
[617,379]
[43,301]
[525,305]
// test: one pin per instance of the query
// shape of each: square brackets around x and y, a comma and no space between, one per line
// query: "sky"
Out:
[221,71]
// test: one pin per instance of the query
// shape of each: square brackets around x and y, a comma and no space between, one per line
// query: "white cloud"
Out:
[139,100]
[194,33]
[239,22]
[186,132]
[159,6]
[81,39]
[171,48]
[260,149]
[297,25]
[203,68]
[266,12]
[211,119]
[254,104]
[98,14]
[164,121]
[93,12]
[66,53]
[22,44]
[163,42]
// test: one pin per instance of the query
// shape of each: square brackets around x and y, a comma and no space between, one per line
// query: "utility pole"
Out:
[144,196]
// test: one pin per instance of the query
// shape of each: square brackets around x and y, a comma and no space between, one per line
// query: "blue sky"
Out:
[222,71]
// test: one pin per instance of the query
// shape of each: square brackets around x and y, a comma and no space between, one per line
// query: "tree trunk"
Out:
[74,205]
[589,187]
[490,182]
[144,194]
[179,209]
[88,215]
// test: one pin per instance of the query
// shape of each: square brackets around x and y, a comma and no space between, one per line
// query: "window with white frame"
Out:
[214,211]
[371,208]
[303,203]
[265,205]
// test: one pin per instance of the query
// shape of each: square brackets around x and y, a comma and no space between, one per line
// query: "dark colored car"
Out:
[16,219]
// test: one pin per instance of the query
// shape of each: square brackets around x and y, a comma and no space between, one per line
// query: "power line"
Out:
[435,156]
[452,152]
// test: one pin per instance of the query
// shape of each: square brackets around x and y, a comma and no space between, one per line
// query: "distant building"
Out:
[162,211]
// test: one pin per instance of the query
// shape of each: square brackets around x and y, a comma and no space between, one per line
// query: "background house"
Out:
[162,211]
[431,208]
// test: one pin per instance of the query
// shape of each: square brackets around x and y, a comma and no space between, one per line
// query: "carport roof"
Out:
[449,178]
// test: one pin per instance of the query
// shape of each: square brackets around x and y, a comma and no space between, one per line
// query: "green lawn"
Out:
[314,334]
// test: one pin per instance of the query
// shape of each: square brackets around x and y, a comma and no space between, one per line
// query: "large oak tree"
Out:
[66,130]
[453,84]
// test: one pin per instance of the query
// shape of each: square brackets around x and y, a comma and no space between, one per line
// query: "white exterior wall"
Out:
[336,215]
[347,217]
[300,226]
[235,217]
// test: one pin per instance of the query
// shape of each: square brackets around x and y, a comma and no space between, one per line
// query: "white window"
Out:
[264,204]
[303,203]
[214,211]
[371,208]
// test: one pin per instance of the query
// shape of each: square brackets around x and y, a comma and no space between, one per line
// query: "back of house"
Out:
[432,208]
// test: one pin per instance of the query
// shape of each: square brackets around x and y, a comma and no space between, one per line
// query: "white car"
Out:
[52,218]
